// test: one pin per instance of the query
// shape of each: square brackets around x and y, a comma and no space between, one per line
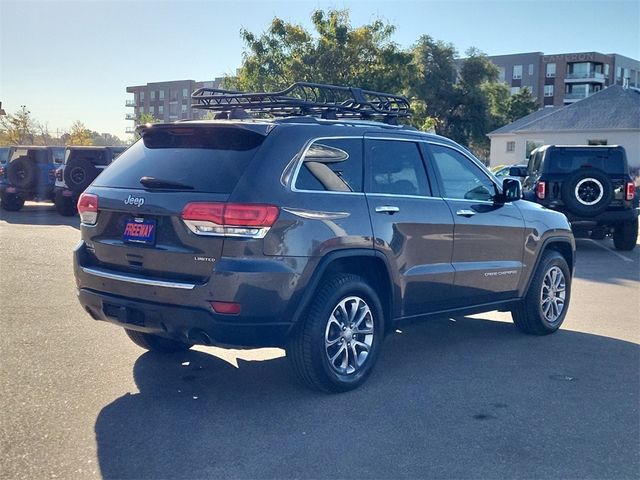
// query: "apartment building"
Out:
[167,101]
[564,78]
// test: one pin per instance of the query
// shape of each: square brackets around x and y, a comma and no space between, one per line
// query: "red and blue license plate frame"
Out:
[140,230]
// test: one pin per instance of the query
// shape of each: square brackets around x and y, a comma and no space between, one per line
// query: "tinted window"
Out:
[461,178]
[397,168]
[58,154]
[38,155]
[332,165]
[568,160]
[207,159]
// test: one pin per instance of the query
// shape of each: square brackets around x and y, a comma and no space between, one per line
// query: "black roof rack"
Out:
[304,98]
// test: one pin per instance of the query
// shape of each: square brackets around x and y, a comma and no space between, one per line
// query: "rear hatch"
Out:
[141,197]
[564,161]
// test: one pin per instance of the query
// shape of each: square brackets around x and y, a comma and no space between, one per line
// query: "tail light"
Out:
[248,220]
[88,208]
[629,191]
[59,174]
[541,190]
[52,174]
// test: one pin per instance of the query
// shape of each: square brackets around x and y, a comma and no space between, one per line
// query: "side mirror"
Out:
[517,172]
[511,190]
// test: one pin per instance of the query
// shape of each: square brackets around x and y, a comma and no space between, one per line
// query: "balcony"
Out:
[585,77]
[130,130]
[130,103]
[129,116]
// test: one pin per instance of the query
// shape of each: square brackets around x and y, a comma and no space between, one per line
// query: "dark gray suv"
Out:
[315,235]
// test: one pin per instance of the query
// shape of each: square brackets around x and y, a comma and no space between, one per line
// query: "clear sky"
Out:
[72,60]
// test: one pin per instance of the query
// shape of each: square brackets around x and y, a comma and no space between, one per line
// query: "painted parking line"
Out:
[610,250]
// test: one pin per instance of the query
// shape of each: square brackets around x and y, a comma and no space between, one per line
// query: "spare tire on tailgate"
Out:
[23,173]
[79,172]
[587,192]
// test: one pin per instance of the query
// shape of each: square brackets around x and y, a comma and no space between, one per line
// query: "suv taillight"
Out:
[88,208]
[629,191]
[59,174]
[249,220]
[541,190]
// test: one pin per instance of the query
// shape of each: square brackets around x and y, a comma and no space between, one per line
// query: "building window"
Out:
[152,94]
[550,70]
[142,96]
[606,69]
[184,108]
[152,110]
[517,72]
[501,74]
[173,95]
[185,93]
[531,69]
[515,90]
[596,142]
[161,110]
[161,94]
[548,90]
[511,146]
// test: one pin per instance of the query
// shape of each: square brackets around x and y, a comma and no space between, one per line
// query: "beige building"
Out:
[609,117]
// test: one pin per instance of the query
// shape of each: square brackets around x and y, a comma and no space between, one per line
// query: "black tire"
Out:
[156,343]
[529,315]
[626,235]
[23,173]
[580,188]
[79,173]
[11,202]
[65,206]
[306,351]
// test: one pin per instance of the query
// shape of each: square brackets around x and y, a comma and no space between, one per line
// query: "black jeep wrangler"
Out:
[591,185]
[316,230]
[81,166]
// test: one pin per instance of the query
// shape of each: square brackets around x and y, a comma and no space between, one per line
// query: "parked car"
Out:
[518,172]
[82,164]
[318,235]
[591,185]
[29,175]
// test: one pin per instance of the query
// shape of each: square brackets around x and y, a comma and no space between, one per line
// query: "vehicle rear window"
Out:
[210,160]
[565,161]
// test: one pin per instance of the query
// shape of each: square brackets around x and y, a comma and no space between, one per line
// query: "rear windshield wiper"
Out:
[151,182]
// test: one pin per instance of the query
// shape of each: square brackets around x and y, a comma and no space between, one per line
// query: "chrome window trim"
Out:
[403,195]
[300,161]
[138,280]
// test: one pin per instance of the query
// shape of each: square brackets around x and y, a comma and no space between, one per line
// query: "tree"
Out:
[521,104]
[336,53]
[79,134]
[143,119]
[18,129]
[105,139]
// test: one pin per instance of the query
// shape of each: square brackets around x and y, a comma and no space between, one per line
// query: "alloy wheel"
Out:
[348,337]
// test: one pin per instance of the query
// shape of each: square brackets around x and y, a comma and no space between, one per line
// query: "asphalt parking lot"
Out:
[452,398]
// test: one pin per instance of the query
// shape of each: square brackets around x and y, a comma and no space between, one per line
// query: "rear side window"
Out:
[208,160]
[396,168]
[38,155]
[96,157]
[569,160]
[333,165]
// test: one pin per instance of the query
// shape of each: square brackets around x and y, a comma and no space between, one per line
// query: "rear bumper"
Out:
[44,193]
[605,218]
[195,325]
[267,292]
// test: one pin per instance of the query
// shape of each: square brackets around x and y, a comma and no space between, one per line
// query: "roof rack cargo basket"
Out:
[304,98]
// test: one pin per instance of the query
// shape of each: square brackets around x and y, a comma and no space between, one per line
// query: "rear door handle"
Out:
[465,213]
[387,209]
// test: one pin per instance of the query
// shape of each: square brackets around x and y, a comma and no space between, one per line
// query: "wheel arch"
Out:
[563,246]
[369,264]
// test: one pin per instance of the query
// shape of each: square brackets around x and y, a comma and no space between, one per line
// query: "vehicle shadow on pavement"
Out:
[39,214]
[456,399]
